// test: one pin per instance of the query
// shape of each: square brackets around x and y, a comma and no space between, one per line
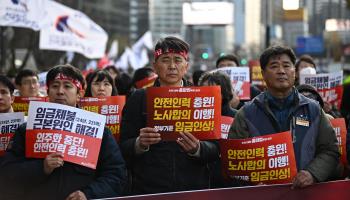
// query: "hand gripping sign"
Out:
[76,133]
[197,110]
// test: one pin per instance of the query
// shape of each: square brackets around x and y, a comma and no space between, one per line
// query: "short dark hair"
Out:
[24,73]
[274,51]
[7,83]
[231,57]
[196,75]
[67,70]
[123,84]
[306,58]
[101,75]
[221,79]
[113,68]
[141,73]
[172,42]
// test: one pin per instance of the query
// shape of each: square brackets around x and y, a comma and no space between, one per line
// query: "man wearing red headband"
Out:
[155,165]
[51,178]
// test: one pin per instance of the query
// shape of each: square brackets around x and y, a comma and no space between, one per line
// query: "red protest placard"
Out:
[225,126]
[266,159]
[339,127]
[111,107]
[76,148]
[242,89]
[146,82]
[332,95]
[55,127]
[177,109]
[21,104]
[9,122]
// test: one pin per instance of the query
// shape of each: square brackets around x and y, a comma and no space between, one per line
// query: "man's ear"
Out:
[81,94]
[12,99]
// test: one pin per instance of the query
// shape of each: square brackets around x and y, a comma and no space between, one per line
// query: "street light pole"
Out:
[268,23]
[3,54]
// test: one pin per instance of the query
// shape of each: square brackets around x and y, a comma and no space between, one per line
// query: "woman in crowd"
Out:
[100,84]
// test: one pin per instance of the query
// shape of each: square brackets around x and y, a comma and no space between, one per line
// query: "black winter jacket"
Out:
[165,167]
[24,178]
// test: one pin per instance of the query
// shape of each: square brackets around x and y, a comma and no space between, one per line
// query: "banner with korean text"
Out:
[9,122]
[177,109]
[21,104]
[328,85]
[339,127]
[111,107]
[240,80]
[72,30]
[256,76]
[226,123]
[76,133]
[24,14]
[265,159]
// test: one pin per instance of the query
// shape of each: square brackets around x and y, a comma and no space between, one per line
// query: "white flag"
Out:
[139,60]
[123,61]
[144,41]
[72,30]
[23,13]
[113,50]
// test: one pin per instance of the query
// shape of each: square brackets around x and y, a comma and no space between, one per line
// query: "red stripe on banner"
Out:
[338,190]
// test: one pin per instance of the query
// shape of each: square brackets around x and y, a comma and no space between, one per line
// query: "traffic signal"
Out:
[244,61]
[205,55]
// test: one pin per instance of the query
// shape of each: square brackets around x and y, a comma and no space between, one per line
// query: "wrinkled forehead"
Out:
[60,82]
[280,58]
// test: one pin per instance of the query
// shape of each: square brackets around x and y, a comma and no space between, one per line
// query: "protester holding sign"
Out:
[156,165]
[282,108]
[231,60]
[52,178]
[223,80]
[6,99]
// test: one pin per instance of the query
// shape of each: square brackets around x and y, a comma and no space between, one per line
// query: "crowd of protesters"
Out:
[141,162]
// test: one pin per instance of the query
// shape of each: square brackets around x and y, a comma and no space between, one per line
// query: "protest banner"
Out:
[256,76]
[265,159]
[74,132]
[339,127]
[21,104]
[240,79]
[9,122]
[111,107]
[225,126]
[329,85]
[24,14]
[178,109]
[338,190]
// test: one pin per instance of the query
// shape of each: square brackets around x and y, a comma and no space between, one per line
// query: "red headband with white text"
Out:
[63,77]
[159,52]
